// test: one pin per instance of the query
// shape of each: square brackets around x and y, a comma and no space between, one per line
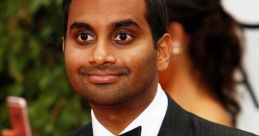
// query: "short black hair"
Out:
[156,17]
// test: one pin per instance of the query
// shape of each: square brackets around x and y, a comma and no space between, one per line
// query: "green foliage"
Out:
[31,66]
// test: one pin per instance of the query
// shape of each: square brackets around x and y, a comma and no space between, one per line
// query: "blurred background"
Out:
[32,65]
[245,12]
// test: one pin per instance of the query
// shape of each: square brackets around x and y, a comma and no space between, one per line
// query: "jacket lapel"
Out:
[176,122]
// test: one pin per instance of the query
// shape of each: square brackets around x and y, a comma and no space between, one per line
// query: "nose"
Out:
[101,54]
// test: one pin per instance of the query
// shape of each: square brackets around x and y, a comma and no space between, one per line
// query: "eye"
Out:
[123,37]
[85,37]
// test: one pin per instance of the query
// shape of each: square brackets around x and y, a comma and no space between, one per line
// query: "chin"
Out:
[106,101]
[104,95]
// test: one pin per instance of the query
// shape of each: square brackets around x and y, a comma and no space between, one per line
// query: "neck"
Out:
[116,118]
[182,84]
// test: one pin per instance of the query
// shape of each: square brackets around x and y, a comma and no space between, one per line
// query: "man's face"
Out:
[109,52]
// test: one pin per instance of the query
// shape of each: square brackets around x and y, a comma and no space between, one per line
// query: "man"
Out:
[113,52]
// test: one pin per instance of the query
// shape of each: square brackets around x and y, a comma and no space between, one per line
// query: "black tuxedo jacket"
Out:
[178,122]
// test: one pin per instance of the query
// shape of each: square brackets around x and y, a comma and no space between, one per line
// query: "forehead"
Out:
[102,12]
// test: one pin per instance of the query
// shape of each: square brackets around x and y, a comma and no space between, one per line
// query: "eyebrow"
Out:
[124,23]
[80,25]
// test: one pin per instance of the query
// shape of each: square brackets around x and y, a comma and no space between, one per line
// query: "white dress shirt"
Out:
[150,119]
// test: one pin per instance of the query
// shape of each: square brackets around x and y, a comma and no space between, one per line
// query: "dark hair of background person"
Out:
[215,48]
[156,17]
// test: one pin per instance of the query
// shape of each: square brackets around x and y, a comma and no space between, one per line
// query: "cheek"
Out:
[73,63]
[142,61]
[70,61]
[74,58]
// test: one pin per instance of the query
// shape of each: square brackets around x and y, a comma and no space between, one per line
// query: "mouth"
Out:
[103,78]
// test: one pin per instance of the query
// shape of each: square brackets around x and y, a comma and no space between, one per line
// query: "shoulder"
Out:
[180,122]
[204,127]
[83,131]
[214,113]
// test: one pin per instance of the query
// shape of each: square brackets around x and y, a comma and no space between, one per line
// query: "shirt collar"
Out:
[150,119]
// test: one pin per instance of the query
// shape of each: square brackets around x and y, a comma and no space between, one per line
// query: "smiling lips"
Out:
[103,78]
[102,75]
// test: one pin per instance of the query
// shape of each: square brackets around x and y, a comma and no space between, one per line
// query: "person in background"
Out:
[206,53]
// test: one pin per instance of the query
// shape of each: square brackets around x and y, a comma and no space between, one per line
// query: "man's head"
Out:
[108,49]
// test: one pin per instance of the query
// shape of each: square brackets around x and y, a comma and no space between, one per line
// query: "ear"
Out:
[164,46]
[63,43]
[177,32]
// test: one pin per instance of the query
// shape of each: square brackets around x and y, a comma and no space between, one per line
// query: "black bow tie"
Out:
[134,132]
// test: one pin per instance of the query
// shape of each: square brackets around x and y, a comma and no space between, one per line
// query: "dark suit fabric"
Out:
[178,122]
